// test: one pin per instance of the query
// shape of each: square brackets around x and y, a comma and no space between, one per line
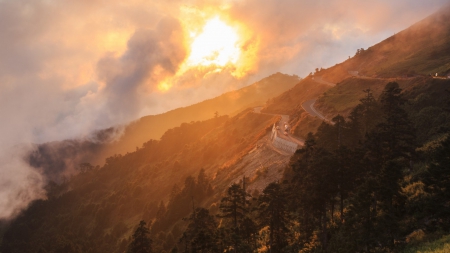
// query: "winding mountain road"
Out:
[308,106]
[280,130]
[319,79]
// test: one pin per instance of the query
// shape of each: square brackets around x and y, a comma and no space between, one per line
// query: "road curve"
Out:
[319,79]
[280,130]
[308,106]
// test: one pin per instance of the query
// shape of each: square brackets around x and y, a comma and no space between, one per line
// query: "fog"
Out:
[68,68]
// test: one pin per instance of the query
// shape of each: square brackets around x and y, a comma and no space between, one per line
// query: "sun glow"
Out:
[216,45]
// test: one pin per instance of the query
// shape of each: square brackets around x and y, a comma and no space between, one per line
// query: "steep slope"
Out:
[426,99]
[153,126]
[102,205]
[60,158]
[290,103]
[417,51]
[422,49]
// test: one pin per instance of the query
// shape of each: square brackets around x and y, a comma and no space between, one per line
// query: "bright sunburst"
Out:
[216,45]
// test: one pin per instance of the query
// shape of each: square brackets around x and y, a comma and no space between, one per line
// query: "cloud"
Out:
[19,184]
[298,36]
[151,56]
[68,68]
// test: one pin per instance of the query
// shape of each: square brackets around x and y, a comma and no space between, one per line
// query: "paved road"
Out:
[284,120]
[319,79]
[308,106]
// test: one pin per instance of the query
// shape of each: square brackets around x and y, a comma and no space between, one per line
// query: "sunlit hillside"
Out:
[231,103]
[103,204]
[60,158]
[421,49]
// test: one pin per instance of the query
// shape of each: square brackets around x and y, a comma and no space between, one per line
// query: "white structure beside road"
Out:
[281,143]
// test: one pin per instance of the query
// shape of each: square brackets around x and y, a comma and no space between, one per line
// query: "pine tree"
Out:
[141,242]
[437,182]
[201,233]
[234,207]
[378,201]
[273,213]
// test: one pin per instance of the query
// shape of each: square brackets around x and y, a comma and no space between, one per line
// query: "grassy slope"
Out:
[346,95]
[290,103]
[441,245]
[422,49]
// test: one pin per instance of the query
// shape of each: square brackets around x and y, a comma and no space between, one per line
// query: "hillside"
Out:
[230,103]
[290,103]
[130,187]
[60,158]
[422,49]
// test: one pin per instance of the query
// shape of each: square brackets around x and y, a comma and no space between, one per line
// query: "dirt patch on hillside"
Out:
[262,165]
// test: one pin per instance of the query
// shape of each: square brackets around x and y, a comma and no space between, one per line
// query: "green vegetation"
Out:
[141,242]
[419,50]
[289,102]
[426,97]
[441,245]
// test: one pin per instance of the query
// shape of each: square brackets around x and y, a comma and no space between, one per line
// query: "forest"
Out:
[362,184]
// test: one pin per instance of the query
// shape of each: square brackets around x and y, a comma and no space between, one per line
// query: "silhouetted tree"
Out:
[437,182]
[201,233]
[141,242]
[234,207]
[273,213]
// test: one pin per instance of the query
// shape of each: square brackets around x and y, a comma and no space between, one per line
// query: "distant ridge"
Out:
[421,49]
[230,103]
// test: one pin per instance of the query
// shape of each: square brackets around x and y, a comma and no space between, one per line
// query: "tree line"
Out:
[359,184]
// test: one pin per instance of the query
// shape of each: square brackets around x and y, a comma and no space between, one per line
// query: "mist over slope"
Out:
[62,158]
[421,49]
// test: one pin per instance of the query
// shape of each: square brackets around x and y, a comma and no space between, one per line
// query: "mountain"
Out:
[101,204]
[290,103]
[230,103]
[421,49]
[200,158]
[354,187]
[412,58]
[408,57]
[61,158]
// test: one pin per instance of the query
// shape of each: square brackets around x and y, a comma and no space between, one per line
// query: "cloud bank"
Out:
[71,67]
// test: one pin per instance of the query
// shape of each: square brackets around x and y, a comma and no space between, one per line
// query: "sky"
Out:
[70,67]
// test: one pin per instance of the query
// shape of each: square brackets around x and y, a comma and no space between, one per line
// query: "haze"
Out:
[70,67]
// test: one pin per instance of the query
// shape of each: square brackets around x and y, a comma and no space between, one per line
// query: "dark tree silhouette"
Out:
[273,213]
[141,242]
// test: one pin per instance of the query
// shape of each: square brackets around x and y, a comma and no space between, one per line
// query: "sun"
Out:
[214,47]
[217,44]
